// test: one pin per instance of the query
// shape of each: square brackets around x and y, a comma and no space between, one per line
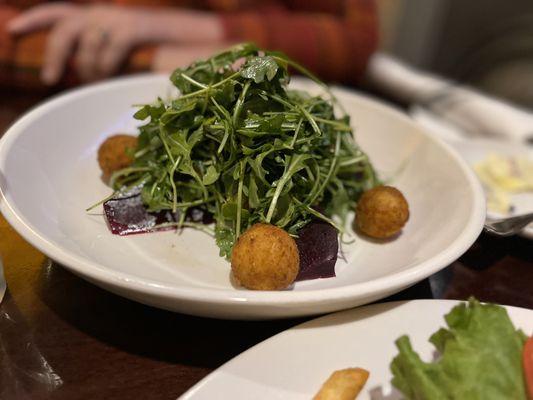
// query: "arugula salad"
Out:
[239,144]
[276,170]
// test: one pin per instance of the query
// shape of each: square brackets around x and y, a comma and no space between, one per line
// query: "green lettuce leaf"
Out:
[480,358]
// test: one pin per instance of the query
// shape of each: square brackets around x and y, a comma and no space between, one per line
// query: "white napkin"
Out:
[2,282]
[437,126]
[464,110]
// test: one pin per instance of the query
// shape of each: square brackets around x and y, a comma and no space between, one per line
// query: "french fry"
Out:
[344,384]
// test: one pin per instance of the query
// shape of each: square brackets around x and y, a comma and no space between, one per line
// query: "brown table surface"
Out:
[64,338]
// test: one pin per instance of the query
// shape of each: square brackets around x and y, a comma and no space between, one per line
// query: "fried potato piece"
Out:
[113,155]
[344,384]
[381,212]
[265,257]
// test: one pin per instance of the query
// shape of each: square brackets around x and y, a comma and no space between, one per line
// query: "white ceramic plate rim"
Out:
[96,272]
[507,147]
[213,376]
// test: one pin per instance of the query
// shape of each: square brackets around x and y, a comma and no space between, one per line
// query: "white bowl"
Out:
[49,175]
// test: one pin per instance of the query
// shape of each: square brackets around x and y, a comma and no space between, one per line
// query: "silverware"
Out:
[508,226]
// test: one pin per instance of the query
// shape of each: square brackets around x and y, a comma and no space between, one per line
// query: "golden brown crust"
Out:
[265,257]
[344,384]
[112,154]
[381,212]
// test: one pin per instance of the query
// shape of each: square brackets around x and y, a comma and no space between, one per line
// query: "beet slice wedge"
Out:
[318,245]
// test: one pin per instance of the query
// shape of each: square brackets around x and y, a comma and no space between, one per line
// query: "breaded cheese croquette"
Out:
[381,212]
[265,257]
[113,154]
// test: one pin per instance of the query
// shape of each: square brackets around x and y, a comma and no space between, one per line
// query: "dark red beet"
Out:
[127,215]
[318,246]
[200,216]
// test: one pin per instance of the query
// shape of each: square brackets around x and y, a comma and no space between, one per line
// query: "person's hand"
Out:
[103,35]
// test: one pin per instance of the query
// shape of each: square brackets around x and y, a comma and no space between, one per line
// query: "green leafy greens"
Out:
[480,358]
[240,145]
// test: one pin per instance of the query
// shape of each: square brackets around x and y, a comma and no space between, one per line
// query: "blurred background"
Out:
[484,43]
[415,53]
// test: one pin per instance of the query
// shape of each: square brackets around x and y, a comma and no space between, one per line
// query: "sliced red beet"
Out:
[200,216]
[127,216]
[318,246]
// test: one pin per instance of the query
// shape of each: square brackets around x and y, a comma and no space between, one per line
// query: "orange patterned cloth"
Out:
[333,38]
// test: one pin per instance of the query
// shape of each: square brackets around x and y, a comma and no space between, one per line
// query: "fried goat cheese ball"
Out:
[113,154]
[381,212]
[265,257]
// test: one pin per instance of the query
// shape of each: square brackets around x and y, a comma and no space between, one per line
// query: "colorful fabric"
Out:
[332,38]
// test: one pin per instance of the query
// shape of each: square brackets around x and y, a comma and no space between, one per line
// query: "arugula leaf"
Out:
[258,68]
[253,193]
[211,176]
[480,358]
[224,238]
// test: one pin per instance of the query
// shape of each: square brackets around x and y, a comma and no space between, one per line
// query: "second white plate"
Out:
[476,150]
[294,364]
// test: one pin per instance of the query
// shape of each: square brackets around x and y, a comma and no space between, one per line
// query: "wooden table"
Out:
[63,338]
